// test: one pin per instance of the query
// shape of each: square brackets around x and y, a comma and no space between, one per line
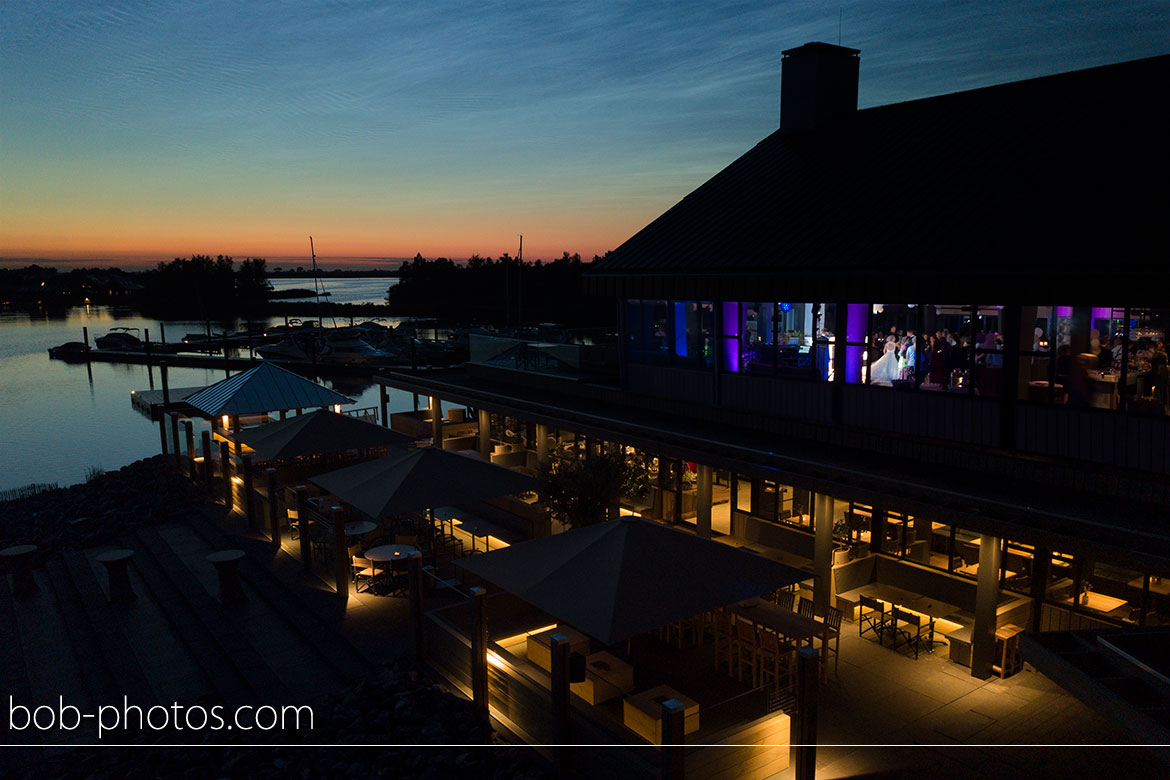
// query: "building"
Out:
[1010,461]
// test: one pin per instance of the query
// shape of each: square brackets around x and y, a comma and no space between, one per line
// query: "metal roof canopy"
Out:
[265,388]
[318,432]
[623,578]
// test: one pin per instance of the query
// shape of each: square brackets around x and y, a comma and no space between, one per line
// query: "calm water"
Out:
[59,419]
[359,290]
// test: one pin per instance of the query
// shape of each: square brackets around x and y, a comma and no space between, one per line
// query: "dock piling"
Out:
[225,456]
[273,515]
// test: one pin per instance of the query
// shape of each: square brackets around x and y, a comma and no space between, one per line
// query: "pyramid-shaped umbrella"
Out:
[265,388]
[420,479]
[623,578]
[318,432]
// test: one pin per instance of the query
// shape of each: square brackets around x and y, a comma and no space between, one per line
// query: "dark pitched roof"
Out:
[1016,189]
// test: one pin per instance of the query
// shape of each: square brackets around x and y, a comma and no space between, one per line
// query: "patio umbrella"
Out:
[315,433]
[420,479]
[619,579]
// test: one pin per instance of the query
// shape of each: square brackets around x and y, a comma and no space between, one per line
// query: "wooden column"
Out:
[1013,337]
[703,502]
[341,555]
[225,461]
[822,552]
[189,437]
[303,524]
[838,390]
[807,678]
[384,404]
[877,530]
[162,431]
[479,687]
[986,601]
[414,576]
[559,649]
[175,440]
[273,506]
[485,435]
[207,461]
[249,499]
[437,421]
[541,444]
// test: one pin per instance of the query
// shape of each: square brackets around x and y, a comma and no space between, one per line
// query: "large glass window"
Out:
[647,329]
[671,332]
[759,341]
[790,338]
[1145,361]
[1100,357]
[694,333]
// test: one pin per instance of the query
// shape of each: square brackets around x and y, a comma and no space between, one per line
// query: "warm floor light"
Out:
[495,660]
[511,640]
[337,408]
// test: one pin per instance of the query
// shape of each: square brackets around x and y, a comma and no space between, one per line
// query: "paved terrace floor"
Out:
[961,727]
[878,696]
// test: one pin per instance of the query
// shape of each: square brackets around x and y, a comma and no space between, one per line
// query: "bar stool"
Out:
[226,563]
[117,574]
[724,639]
[746,650]
[1007,650]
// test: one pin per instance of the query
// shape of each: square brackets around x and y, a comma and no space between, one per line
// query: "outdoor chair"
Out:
[294,524]
[724,640]
[913,629]
[411,539]
[806,608]
[746,650]
[871,617]
[363,570]
[832,639]
[785,598]
[777,661]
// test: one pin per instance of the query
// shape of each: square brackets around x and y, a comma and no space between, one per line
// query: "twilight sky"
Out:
[140,131]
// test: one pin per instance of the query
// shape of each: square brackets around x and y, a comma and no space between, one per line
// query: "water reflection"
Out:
[54,430]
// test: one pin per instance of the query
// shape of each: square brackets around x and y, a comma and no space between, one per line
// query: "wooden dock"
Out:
[232,363]
[149,402]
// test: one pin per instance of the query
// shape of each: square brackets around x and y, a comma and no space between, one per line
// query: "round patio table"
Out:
[19,559]
[117,573]
[359,527]
[226,563]
[391,554]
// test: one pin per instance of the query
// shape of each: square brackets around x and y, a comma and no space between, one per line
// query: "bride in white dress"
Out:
[886,369]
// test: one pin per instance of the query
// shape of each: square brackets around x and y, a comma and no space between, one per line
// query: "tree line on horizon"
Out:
[503,291]
[206,288]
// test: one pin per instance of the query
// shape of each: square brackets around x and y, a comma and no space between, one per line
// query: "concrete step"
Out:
[316,619]
[100,684]
[288,652]
[106,621]
[239,677]
[13,672]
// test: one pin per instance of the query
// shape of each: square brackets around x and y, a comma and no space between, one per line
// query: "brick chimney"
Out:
[818,83]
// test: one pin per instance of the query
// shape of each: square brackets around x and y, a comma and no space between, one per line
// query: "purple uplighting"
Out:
[856,322]
[730,336]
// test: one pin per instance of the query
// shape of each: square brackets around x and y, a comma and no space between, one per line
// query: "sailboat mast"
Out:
[317,286]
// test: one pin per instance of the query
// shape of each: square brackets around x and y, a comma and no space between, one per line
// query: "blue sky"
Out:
[139,130]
